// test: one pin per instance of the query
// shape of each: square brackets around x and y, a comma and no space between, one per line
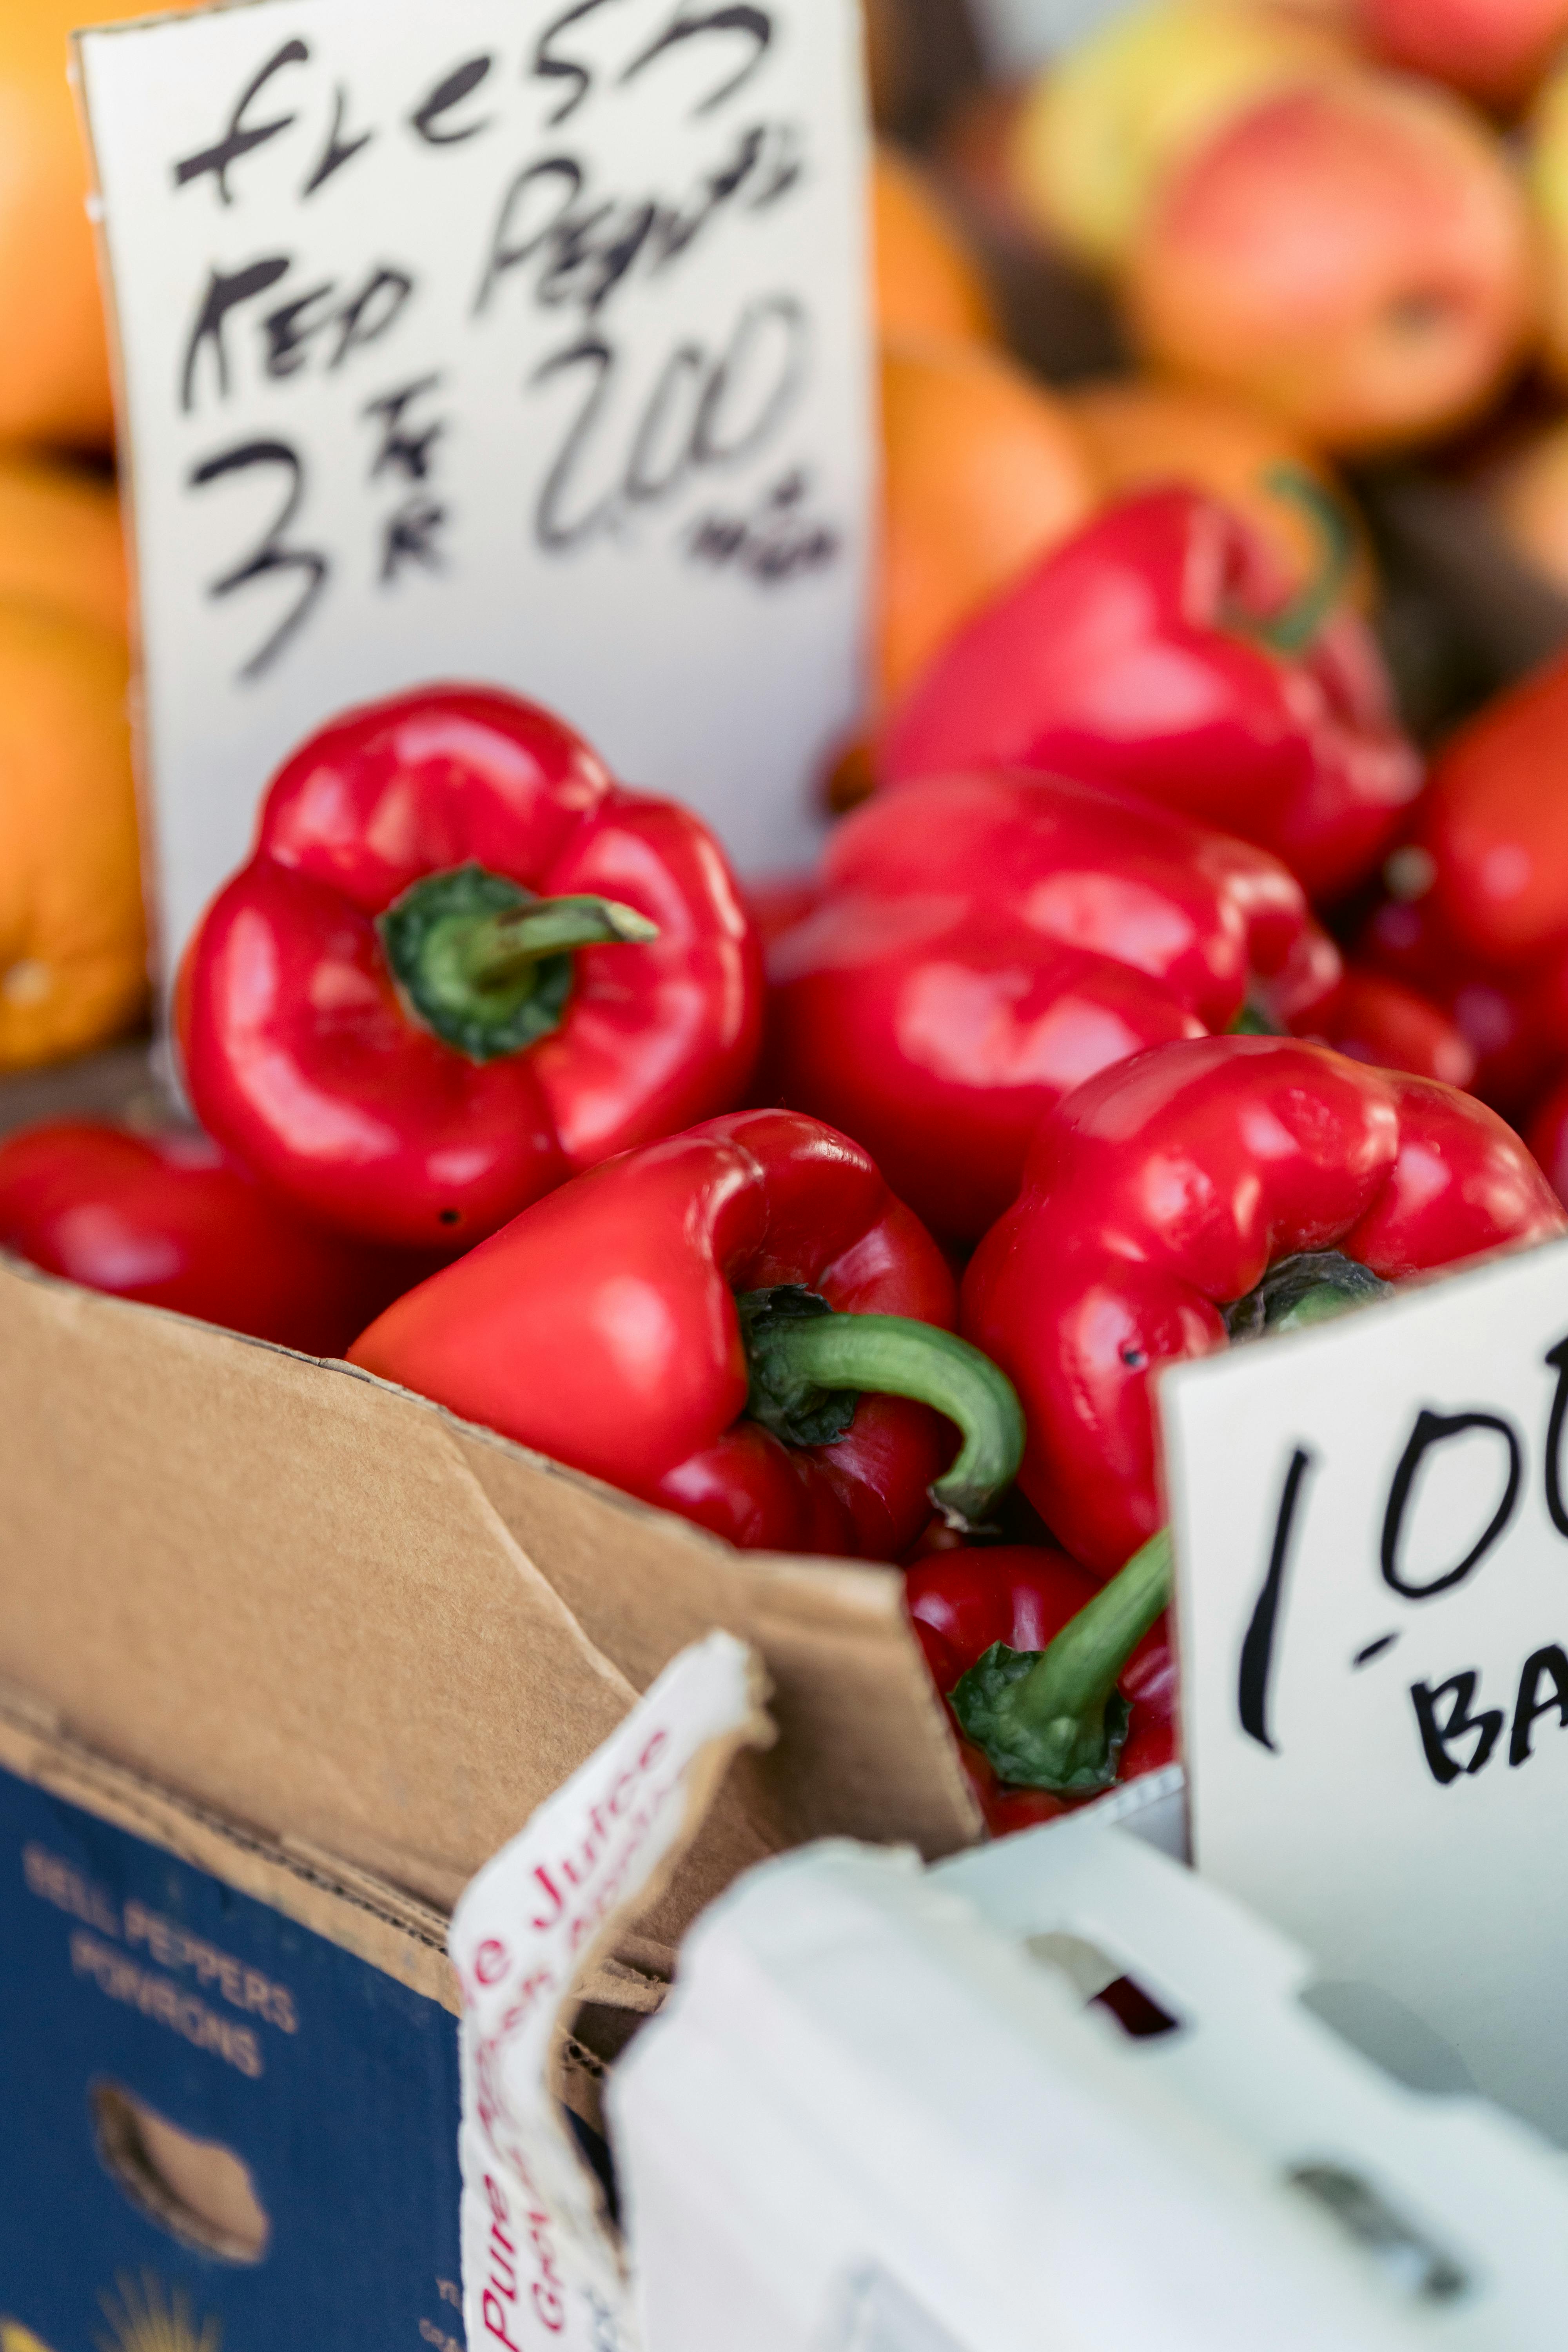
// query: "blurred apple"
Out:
[1102,127]
[1496,50]
[1140,434]
[1356,257]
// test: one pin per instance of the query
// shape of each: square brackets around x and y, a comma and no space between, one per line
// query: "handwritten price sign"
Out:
[524,344]
[1372,1538]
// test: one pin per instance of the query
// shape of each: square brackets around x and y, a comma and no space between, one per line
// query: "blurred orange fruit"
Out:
[1139,435]
[60,541]
[54,361]
[982,471]
[1527,492]
[926,282]
[72,951]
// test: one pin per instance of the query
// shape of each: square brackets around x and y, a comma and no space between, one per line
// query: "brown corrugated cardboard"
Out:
[330,1611]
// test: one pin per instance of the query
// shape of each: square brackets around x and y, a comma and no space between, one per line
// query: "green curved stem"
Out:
[488,967]
[1290,631]
[808,1366]
[1053,1718]
[1307,1288]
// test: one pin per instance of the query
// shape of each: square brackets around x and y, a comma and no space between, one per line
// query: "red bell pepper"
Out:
[1494,826]
[461,966]
[974,1609]
[1203,1189]
[983,943]
[1153,650]
[168,1220]
[1392,1025]
[1547,1136]
[1514,1020]
[734,1323]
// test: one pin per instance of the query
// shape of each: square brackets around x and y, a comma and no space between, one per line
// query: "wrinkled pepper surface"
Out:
[462,965]
[1155,651]
[168,1220]
[1204,1191]
[741,1323]
[965,1604]
[982,944]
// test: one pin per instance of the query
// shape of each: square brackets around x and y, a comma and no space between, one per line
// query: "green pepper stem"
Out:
[1307,1288]
[800,1357]
[1053,1718]
[487,950]
[1291,630]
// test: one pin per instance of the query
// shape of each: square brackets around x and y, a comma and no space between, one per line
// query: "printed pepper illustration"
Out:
[1203,1192]
[740,1323]
[982,944]
[169,1221]
[1154,650]
[1096,1677]
[462,965]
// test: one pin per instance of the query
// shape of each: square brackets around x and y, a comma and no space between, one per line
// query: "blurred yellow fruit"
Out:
[1139,435]
[982,471]
[1102,128]
[54,363]
[926,282]
[60,541]
[1527,492]
[1548,181]
[72,952]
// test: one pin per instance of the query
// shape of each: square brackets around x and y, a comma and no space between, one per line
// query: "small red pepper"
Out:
[983,943]
[731,1323]
[1022,1597]
[1152,651]
[1494,826]
[461,966]
[1200,1192]
[1395,1027]
[1514,1019]
[168,1220]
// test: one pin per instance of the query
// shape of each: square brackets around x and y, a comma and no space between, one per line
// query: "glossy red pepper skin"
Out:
[1125,657]
[1514,1019]
[1392,1026]
[961,1601]
[600,1327]
[1494,823]
[983,943]
[168,1220]
[300,1053]
[1163,1189]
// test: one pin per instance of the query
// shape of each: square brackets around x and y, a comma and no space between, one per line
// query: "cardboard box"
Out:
[231,2078]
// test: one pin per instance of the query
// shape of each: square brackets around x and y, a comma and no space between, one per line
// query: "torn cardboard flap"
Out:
[329,1610]
[540,2259]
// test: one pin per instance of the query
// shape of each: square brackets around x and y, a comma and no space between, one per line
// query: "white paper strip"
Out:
[540,2267]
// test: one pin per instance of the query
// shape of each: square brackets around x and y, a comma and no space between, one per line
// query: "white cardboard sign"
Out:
[507,340]
[1371,1522]
[540,2266]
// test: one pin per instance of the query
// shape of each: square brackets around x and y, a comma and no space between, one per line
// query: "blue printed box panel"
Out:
[218,2131]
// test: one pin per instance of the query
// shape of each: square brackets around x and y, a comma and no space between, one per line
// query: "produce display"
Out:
[1168,977]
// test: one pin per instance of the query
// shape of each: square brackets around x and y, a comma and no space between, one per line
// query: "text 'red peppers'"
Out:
[982,944]
[461,966]
[740,1323]
[1152,651]
[169,1221]
[1107,1693]
[1201,1192]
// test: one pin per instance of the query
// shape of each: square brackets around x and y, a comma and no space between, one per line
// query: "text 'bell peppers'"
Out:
[1012,1602]
[740,1323]
[1153,651]
[1200,1192]
[982,944]
[461,966]
[167,1220]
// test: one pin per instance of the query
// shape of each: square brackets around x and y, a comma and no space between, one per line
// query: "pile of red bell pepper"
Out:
[1056,1074]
